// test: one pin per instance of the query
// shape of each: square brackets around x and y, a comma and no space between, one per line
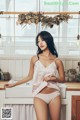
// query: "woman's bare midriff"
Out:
[47,90]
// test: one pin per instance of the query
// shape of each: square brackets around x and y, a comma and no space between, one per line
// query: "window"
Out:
[20,40]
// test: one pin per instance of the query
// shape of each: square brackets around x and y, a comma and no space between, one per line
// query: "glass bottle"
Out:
[78,73]
[1,75]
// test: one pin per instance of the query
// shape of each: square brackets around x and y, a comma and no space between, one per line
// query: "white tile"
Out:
[68,65]
[18,69]
[4,65]
[12,68]
[26,66]
[63,61]
[75,64]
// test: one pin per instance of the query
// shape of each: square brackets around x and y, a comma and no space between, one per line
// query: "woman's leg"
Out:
[55,108]
[41,109]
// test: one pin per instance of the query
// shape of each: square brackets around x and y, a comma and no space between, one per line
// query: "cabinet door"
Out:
[75,108]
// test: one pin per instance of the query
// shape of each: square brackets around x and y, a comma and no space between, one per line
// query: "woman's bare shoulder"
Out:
[34,58]
[58,61]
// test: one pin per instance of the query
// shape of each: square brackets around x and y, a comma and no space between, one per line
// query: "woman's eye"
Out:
[43,40]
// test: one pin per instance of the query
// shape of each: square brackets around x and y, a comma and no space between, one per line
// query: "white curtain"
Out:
[23,112]
[26,112]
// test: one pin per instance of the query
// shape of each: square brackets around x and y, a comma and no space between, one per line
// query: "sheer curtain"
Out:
[27,112]
[20,40]
[23,112]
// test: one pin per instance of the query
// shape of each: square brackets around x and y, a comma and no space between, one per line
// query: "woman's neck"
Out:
[46,53]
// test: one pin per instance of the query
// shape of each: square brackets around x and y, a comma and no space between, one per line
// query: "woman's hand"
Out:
[8,85]
[49,78]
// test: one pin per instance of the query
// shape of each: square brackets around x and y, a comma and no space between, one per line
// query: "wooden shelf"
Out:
[2,82]
[73,86]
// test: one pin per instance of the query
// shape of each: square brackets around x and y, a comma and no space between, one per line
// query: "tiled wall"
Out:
[19,67]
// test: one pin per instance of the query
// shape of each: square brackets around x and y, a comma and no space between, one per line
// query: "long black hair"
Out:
[47,37]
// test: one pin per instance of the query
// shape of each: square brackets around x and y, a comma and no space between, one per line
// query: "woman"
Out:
[46,70]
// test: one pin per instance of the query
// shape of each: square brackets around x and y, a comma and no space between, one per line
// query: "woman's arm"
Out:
[25,79]
[60,68]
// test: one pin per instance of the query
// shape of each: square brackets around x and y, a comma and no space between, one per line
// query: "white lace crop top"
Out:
[40,71]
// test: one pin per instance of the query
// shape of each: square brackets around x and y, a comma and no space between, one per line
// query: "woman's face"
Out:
[42,44]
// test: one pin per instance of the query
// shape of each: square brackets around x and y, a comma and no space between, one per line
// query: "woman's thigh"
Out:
[55,108]
[41,109]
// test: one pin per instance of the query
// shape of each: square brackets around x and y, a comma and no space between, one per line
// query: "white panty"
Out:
[48,97]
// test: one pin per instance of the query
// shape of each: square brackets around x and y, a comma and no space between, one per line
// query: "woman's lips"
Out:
[41,46]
